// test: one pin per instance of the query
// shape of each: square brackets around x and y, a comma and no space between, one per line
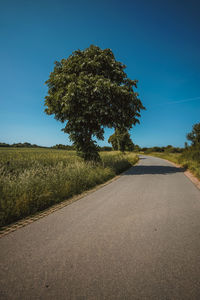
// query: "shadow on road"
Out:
[141,170]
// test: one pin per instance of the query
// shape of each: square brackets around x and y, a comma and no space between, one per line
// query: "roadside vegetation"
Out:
[185,159]
[189,157]
[34,179]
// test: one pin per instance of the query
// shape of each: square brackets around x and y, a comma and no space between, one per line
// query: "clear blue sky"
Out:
[158,40]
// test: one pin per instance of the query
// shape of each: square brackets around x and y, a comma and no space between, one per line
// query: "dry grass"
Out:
[34,179]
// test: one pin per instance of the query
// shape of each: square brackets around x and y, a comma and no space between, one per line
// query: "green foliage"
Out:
[4,145]
[192,153]
[63,147]
[121,140]
[167,149]
[136,148]
[20,145]
[90,91]
[105,148]
[113,141]
[34,179]
[189,159]
[194,135]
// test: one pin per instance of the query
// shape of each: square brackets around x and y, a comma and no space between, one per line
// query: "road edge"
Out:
[187,172]
[30,219]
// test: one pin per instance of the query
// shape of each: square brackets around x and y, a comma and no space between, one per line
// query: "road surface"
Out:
[136,238]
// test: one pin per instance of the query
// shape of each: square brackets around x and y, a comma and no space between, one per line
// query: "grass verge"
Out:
[181,159]
[32,180]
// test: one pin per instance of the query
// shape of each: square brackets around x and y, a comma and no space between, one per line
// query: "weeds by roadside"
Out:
[34,179]
[185,159]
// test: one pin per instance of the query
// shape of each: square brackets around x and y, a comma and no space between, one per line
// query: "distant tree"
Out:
[63,147]
[169,148]
[4,145]
[194,135]
[25,145]
[105,148]
[21,145]
[136,148]
[156,149]
[121,140]
[90,91]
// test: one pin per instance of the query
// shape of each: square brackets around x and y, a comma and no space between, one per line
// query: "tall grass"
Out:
[34,179]
[188,159]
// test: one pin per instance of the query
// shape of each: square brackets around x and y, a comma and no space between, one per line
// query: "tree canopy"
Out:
[194,135]
[121,140]
[90,91]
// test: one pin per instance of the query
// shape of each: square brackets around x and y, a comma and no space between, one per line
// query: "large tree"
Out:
[90,91]
[194,135]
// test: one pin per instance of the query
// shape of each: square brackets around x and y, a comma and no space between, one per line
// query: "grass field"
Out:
[34,179]
[182,159]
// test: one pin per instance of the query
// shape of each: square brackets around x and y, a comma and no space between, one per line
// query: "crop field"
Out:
[34,179]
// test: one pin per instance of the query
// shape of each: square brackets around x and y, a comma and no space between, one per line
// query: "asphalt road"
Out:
[136,238]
